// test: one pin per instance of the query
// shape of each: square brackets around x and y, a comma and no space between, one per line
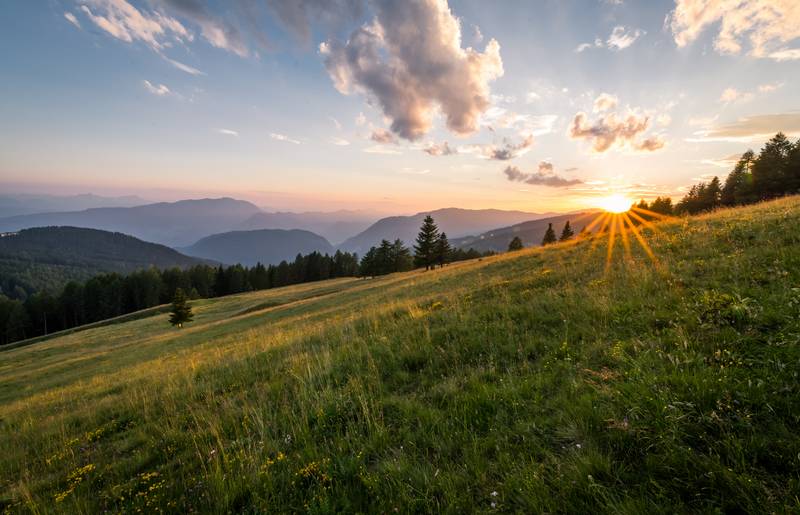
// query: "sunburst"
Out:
[620,216]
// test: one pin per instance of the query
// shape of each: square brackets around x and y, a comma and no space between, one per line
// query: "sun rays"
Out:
[627,223]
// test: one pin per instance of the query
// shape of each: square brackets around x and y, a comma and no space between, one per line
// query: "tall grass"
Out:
[530,382]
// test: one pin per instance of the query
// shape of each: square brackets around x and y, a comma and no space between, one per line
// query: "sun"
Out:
[615,203]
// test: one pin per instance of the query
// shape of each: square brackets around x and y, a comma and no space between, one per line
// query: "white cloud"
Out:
[228,132]
[335,123]
[437,149]
[504,151]
[283,137]
[158,90]
[621,38]
[543,176]
[127,23]
[605,102]
[410,62]
[383,136]
[612,131]
[339,141]
[72,19]
[751,128]
[730,95]
[764,26]
[380,149]
[769,88]
[183,67]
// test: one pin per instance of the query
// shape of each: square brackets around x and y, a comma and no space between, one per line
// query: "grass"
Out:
[538,381]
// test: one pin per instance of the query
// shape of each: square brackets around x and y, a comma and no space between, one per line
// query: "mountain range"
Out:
[530,232]
[455,222]
[26,204]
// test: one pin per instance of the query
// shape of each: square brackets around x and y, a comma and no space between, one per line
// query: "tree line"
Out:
[431,248]
[108,295]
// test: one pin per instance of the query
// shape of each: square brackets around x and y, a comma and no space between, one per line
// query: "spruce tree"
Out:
[424,250]
[567,233]
[549,235]
[515,244]
[443,250]
[181,311]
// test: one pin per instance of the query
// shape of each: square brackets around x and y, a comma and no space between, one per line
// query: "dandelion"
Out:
[494,494]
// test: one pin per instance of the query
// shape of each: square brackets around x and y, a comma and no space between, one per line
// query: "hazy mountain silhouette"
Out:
[335,226]
[454,221]
[170,223]
[26,204]
[268,246]
[531,232]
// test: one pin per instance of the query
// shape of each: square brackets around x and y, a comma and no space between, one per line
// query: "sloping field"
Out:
[538,381]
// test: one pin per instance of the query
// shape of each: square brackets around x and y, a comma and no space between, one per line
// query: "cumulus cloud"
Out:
[72,19]
[409,61]
[383,136]
[766,27]
[158,90]
[282,137]
[544,176]
[612,131]
[752,128]
[605,102]
[443,149]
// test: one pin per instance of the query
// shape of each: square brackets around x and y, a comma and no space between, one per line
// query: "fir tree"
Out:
[567,233]
[443,250]
[181,311]
[549,235]
[425,249]
[515,244]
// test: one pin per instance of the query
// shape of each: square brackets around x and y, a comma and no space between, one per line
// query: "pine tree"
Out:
[443,250]
[515,244]
[181,311]
[549,235]
[424,250]
[567,233]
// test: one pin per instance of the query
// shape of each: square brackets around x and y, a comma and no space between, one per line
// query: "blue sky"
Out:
[180,98]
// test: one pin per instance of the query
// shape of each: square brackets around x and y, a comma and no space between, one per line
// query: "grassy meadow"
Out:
[536,381]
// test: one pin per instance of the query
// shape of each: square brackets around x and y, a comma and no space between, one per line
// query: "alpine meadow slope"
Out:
[543,380]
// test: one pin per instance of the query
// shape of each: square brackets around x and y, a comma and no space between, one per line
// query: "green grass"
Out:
[538,381]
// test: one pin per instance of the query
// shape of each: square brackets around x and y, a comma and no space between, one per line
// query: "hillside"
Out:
[538,381]
[48,257]
[267,246]
[169,223]
[335,226]
[453,221]
[531,232]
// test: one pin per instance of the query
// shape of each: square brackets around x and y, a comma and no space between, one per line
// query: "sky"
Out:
[391,106]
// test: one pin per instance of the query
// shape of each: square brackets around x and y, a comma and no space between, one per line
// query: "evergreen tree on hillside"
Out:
[443,250]
[401,258]
[181,311]
[770,169]
[567,233]
[738,187]
[425,249]
[662,205]
[515,244]
[368,265]
[549,235]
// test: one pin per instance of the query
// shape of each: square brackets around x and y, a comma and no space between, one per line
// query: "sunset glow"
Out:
[615,203]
